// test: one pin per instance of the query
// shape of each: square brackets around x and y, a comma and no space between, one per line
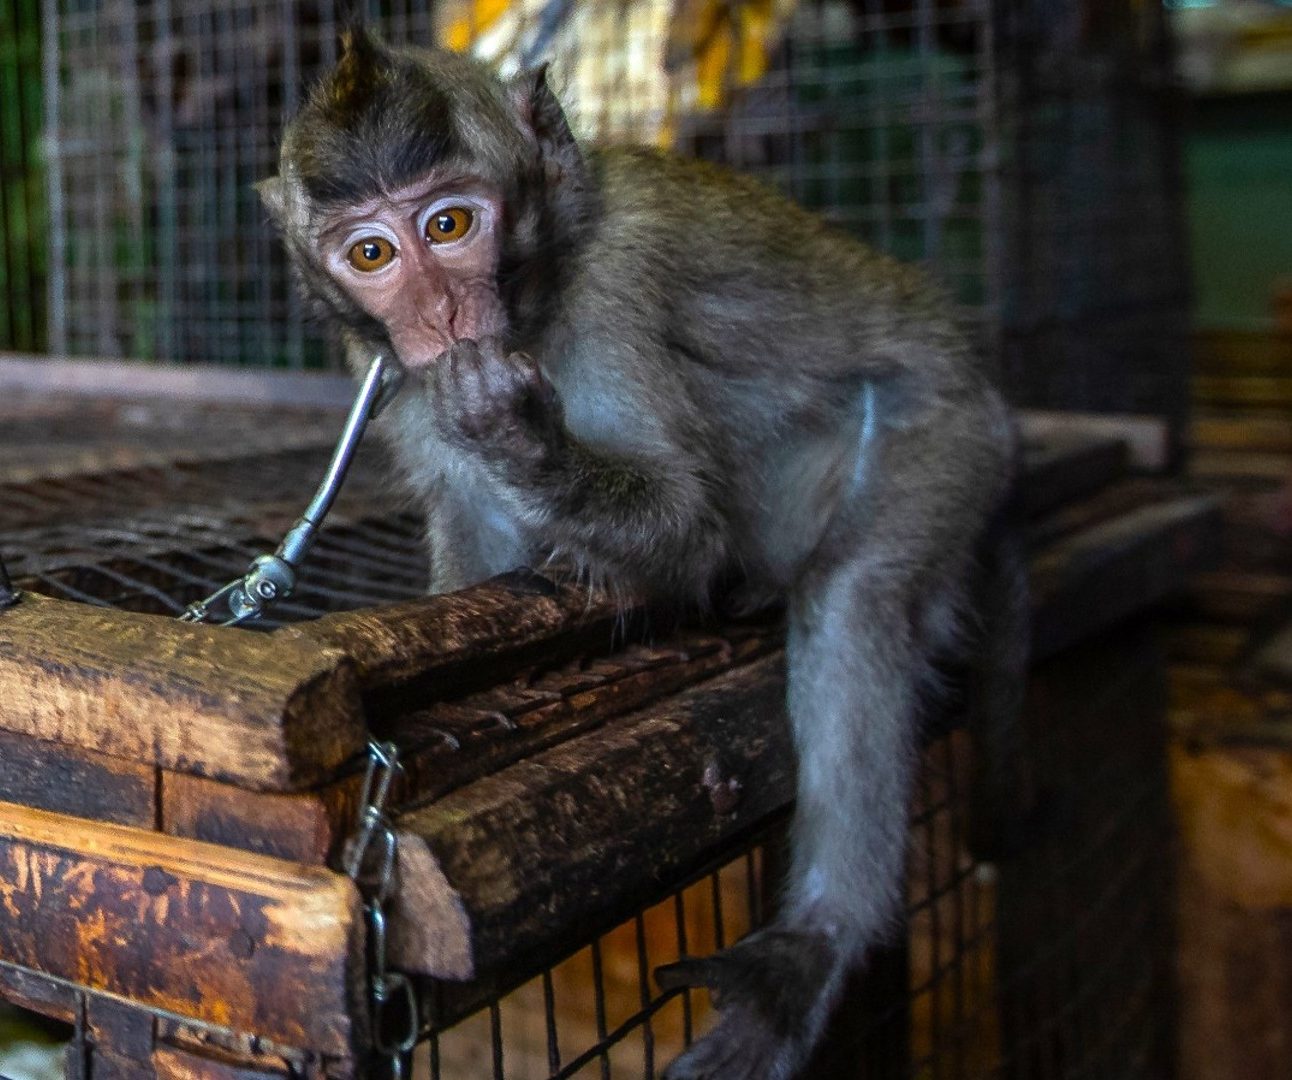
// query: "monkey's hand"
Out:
[498,405]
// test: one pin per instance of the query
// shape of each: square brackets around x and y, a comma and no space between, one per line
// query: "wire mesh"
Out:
[1024,151]
[973,136]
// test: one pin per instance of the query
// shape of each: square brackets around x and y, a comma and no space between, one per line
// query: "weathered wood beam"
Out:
[218,703]
[422,638]
[217,936]
[556,841]
[1102,574]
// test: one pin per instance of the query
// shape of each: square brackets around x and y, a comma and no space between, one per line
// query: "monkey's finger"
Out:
[693,971]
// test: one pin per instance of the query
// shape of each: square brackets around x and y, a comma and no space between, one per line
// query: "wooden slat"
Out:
[1147,439]
[1249,390]
[1261,434]
[1101,575]
[1058,471]
[1242,352]
[109,378]
[556,841]
[222,937]
[29,991]
[214,702]
[69,780]
[171,1063]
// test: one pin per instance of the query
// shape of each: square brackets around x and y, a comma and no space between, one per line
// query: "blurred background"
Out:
[1105,186]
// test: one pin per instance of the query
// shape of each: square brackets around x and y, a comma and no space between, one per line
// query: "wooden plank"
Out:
[226,938]
[304,827]
[1249,390]
[172,1063]
[1147,438]
[1270,435]
[1229,464]
[556,841]
[1253,352]
[448,743]
[262,712]
[420,639]
[1058,471]
[1090,580]
[31,991]
[69,780]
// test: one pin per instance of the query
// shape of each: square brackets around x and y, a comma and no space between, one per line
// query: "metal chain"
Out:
[371,858]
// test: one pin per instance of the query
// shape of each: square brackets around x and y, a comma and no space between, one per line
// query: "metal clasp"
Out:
[271,578]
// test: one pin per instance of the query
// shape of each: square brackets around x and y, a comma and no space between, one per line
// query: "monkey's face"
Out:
[423,261]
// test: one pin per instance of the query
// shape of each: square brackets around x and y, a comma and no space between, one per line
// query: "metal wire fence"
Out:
[1023,150]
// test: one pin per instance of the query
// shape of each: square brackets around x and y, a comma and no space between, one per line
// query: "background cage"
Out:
[1042,954]
[1024,150]
[970,135]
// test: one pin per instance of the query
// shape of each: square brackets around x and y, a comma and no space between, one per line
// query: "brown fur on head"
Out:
[384,119]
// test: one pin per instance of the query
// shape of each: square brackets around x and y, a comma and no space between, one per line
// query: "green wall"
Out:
[1239,161]
[22,181]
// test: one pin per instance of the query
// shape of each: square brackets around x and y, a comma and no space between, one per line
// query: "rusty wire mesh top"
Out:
[149,506]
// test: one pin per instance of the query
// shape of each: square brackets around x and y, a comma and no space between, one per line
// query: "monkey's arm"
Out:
[643,519]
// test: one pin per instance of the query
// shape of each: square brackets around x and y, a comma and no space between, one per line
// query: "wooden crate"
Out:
[174,798]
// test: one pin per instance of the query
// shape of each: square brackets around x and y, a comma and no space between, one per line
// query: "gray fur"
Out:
[723,384]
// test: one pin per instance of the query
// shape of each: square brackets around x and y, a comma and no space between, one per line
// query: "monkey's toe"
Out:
[741,1047]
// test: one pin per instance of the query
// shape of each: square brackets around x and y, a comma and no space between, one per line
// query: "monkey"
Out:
[672,377]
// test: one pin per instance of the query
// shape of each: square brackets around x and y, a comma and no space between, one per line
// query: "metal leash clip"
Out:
[271,578]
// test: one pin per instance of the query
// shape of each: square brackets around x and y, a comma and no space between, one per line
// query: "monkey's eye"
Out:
[371,253]
[451,223]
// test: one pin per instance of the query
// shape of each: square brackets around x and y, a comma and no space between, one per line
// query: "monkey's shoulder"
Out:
[719,257]
[712,225]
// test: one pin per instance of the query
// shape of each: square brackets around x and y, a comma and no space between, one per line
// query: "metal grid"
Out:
[1025,151]
[162,114]
[1095,280]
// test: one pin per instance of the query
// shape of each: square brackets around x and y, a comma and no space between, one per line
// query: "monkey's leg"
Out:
[876,603]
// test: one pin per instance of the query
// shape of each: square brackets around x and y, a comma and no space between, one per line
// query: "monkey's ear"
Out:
[362,55]
[359,47]
[286,204]
[273,193]
[541,113]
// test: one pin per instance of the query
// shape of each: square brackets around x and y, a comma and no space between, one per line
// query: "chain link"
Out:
[371,861]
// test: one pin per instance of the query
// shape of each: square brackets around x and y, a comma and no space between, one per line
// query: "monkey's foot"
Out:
[773,989]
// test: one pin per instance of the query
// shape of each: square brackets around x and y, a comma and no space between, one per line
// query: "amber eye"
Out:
[371,253]
[451,223]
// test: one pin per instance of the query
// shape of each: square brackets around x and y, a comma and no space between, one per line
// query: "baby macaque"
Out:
[672,376]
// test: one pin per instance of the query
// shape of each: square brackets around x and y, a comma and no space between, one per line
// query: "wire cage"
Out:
[1053,962]
[970,135]
[1024,151]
